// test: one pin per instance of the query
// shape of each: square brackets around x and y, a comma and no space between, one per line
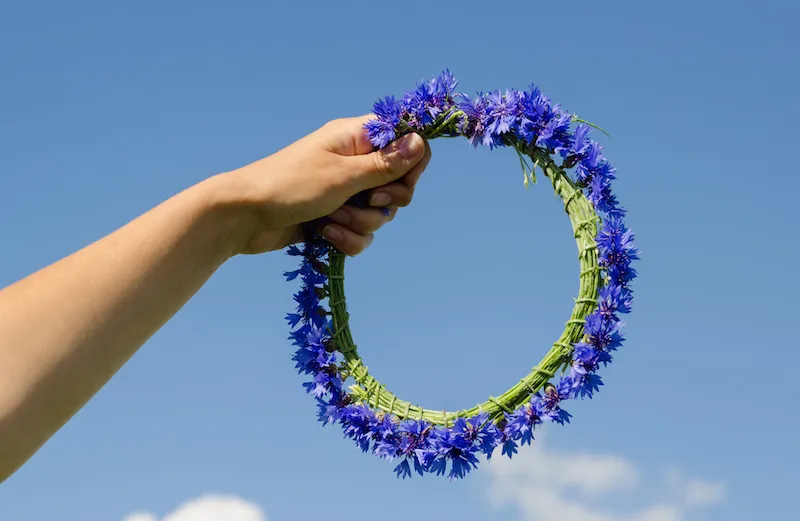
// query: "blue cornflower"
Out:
[555,134]
[306,298]
[584,384]
[603,334]
[616,238]
[324,382]
[543,124]
[586,361]
[552,398]
[455,449]
[592,156]
[415,443]
[327,411]
[403,470]
[388,448]
[617,250]
[417,104]
[355,420]
[528,116]
[387,427]
[382,131]
[306,361]
[444,85]
[474,126]
[610,301]
[601,197]
[503,112]
[521,423]
[478,430]
[442,88]
[293,319]
[535,105]
[312,354]
[298,336]
[621,273]
[305,267]
[580,142]
[509,445]
[586,355]
[388,439]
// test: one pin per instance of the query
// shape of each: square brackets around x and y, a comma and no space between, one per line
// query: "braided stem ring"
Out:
[441,442]
[368,390]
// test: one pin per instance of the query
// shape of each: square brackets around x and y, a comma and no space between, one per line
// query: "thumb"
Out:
[388,164]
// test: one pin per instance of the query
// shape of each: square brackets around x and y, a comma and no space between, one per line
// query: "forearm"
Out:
[67,329]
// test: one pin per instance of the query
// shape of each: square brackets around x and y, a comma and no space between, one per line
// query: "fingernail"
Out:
[332,233]
[411,146]
[380,199]
[341,216]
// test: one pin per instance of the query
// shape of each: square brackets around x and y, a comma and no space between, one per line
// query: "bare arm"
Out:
[67,329]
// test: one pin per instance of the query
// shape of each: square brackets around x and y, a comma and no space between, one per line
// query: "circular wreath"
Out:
[444,442]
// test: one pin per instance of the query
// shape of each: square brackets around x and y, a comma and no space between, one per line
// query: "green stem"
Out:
[367,389]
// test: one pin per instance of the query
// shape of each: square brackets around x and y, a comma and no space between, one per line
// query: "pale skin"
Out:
[68,328]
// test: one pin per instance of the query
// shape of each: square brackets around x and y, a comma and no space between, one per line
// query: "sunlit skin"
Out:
[68,328]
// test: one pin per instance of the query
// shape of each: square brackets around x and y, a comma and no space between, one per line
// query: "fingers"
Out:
[347,136]
[386,165]
[345,240]
[362,221]
[411,178]
[394,194]
[400,193]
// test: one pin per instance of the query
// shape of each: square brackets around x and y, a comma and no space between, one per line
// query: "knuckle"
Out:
[403,200]
[334,124]
[360,244]
[382,164]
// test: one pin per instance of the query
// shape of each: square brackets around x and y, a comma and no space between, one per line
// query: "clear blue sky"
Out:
[107,110]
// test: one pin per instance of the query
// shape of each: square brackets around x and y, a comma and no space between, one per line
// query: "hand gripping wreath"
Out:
[449,442]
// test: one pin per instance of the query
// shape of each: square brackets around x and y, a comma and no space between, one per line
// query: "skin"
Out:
[68,328]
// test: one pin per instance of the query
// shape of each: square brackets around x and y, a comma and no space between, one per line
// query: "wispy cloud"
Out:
[545,485]
[210,507]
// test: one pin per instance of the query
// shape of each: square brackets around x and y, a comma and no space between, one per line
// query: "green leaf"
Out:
[579,120]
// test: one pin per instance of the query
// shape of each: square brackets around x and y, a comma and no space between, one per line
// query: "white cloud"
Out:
[210,507]
[545,485]
[701,492]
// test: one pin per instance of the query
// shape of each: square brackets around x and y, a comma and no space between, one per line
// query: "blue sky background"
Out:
[106,110]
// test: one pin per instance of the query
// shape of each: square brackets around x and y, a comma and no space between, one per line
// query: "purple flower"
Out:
[603,334]
[580,142]
[521,423]
[479,431]
[512,118]
[601,197]
[328,411]
[324,383]
[442,88]
[417,104]
[455,449]
[503,112]
[551,400]
[381,131]
[474,126]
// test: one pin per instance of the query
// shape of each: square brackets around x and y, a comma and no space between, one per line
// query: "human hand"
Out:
[313,178]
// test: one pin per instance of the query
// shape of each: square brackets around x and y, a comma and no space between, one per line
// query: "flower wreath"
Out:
[448,442]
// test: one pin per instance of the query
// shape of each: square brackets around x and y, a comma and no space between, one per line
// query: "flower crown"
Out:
[448,443]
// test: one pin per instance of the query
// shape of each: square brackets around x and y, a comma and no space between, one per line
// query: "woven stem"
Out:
[584,224]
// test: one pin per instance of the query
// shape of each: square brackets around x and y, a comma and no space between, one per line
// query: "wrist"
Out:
[232,223]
